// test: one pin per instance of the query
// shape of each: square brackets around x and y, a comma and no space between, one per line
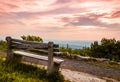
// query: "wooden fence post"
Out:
[50,58]
[9,50]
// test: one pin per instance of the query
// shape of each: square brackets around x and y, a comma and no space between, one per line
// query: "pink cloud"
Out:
[116,14]
[66,19]
[62,1]
[88,20]
[5,7]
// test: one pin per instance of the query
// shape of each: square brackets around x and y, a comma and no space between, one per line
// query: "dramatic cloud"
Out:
[89,20]
[116,14]
[61,19]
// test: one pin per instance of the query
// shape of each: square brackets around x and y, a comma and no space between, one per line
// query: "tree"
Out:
[32,38]
[85,51]
[96,50]
[108,48]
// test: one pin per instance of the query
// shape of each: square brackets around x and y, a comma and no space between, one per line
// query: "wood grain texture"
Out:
[45,58]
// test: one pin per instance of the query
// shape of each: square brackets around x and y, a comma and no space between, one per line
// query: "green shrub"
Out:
[17,72]
[32,38]
[107,48]
[3,45]
[55,77]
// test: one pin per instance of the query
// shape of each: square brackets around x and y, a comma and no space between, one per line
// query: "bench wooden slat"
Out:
[32,43]
[24,41]
[25,46]
[45,58]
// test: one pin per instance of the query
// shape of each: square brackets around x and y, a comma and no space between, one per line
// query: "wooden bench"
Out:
[14,47]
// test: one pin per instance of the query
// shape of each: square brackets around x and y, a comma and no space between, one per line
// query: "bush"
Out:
[3,45]
[32,38]
[107,48]
[55,77]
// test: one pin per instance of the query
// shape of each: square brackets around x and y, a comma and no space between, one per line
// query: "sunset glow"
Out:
[60,19]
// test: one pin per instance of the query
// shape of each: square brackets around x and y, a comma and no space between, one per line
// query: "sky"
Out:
[60,19]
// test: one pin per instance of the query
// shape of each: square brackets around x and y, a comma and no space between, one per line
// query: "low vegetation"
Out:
[18,72]
[3,45]
[107,48]
[32,38]
[107,65]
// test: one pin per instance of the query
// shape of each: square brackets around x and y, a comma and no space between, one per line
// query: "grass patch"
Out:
[19,72]
[107,65]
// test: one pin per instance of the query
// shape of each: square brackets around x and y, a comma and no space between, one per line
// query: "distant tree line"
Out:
[107,48]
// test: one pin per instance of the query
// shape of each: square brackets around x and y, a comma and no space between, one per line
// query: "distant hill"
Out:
[73,43]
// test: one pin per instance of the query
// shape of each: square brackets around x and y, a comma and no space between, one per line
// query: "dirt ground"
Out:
[75,76]
[91,71]
[80,71]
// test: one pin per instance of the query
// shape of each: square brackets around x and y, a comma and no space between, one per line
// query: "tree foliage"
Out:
[107,48]
[32,38]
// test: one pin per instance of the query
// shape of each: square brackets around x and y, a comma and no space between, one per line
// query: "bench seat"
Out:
[39,57]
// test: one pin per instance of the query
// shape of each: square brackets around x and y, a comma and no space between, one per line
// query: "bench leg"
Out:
[17,58]
[56,67]
[9,57]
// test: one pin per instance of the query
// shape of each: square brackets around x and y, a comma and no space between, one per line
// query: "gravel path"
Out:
[82,66]
[75,76]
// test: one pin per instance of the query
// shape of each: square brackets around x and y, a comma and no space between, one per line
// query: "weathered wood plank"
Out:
[39,51]
[24,46]
[25,42]
[54,49]
[50,58]
[9,50]
[45,58]
[29,43]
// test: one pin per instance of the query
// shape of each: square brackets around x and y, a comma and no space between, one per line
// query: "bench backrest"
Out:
[31,45]
[22,44]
